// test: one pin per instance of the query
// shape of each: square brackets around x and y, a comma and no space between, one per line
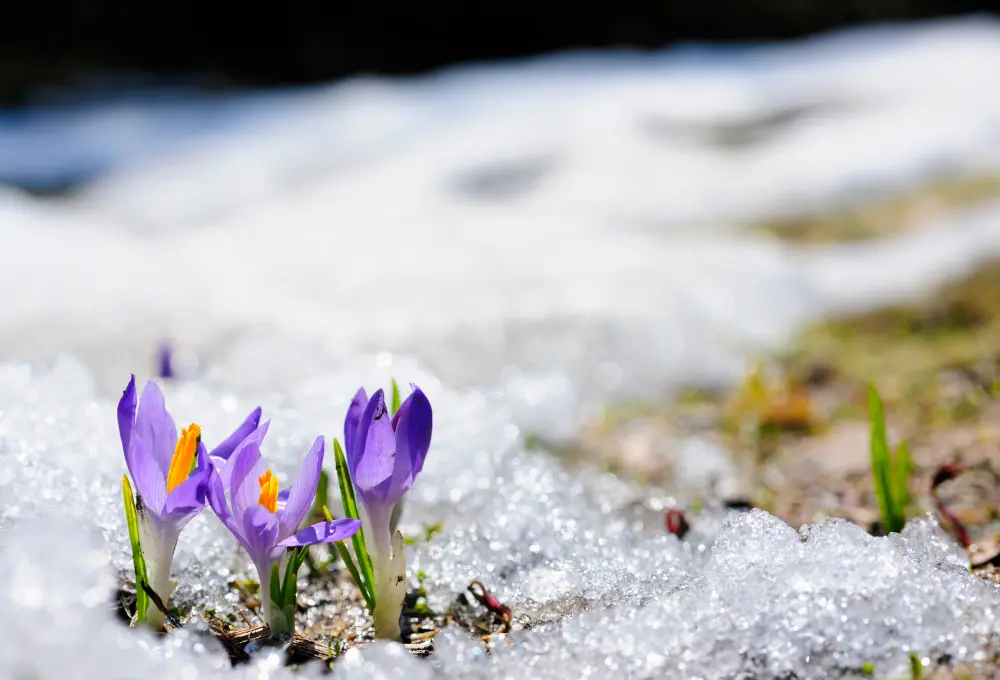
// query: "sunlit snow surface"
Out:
[541,237]
[585,558]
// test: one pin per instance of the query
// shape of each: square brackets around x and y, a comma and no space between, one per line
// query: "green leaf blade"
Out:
[365,588]
[303,554]
[281,618]
[880,458]
[345,482]
[351,510]
[890,473]
[289,588]
[322,498]
[138,561]
[276,594]
[395,397]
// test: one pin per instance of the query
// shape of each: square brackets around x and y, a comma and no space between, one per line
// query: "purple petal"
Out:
[260,530]
[414,423]
[323,532]
[188,499]
[149,480]
[255,438]
[303,491]
[376,451]
[283,499]
[155,427]
[402,477]
[217,499]
[244,490]
[229,444]
[165,360]
[351,422]
[126,413]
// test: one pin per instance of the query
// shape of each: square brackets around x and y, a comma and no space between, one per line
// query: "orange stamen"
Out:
[180,464]
[268,491]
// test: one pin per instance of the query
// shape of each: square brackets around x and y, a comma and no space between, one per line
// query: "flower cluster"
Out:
[175,476]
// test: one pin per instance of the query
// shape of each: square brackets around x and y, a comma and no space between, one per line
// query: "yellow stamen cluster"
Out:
[268,491]
[183,459]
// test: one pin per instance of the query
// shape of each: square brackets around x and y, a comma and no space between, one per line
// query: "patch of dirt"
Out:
[797,433]
[937,366]
[798,425]
[332,617]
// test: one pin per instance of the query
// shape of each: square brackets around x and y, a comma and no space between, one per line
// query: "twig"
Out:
[494,605]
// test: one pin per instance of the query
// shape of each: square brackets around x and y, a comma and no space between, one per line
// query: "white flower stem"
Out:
[390,589]
[280,622]
[385,547]
[158,545]
[264,575]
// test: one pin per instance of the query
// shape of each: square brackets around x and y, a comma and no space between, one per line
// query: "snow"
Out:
[564,227]
[526,242]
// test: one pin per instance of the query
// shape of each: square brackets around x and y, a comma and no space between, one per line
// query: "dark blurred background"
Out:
[222,44]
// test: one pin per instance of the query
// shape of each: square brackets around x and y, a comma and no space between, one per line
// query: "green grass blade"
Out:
[351,510]
[365,588]
[881,473]
[395,397]
[138,561]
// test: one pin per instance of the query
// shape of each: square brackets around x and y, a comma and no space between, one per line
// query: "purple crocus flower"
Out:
[265,520]
[170,475]
[384,455]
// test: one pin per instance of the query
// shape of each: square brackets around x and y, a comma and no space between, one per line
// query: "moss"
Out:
[890,214]
[937,361]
